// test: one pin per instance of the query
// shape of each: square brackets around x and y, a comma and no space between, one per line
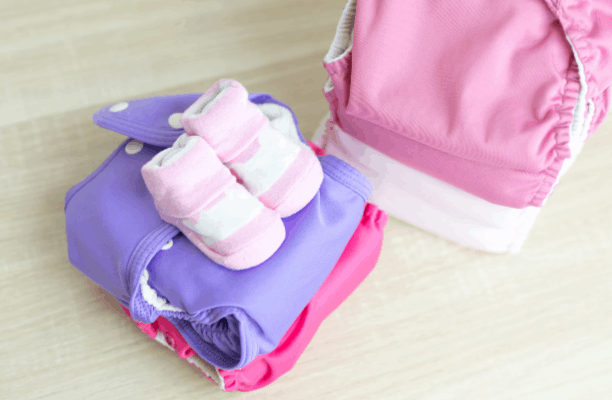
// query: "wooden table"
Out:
[434,321]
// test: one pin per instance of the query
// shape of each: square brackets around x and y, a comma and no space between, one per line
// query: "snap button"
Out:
[168,245]
[119,107]
[133,147]
[175,120]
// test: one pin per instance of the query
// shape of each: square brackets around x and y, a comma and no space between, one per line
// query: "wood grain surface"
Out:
[434,320]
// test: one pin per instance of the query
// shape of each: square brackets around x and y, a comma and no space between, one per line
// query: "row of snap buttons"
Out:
[135,146]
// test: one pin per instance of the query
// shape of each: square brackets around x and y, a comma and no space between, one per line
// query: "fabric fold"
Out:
[356,262]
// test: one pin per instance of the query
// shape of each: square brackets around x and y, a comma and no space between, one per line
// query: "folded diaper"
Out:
[469,124]
[357,260]
[117,238]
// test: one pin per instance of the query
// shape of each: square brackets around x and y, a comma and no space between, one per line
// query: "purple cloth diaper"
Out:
[116,238]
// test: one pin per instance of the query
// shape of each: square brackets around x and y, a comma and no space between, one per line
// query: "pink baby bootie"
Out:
[194,191]
[283,175]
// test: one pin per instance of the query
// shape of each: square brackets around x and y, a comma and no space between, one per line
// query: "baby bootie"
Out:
[194,191]
[283,175]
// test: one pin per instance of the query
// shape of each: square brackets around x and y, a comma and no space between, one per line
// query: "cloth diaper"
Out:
[467,114]
[117,238]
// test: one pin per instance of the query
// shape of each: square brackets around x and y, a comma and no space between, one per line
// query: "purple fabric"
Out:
[147,119]
[114,232]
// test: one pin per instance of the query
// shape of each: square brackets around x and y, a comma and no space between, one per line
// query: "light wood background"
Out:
[434,320]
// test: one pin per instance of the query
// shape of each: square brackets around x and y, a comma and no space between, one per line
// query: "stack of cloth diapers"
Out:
[223,234]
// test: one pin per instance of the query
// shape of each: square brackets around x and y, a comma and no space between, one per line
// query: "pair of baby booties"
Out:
[227,182]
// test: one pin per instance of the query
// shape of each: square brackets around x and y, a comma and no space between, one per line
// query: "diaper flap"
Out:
[155,120]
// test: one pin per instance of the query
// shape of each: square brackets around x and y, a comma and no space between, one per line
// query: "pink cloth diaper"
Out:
[282,173]
[194,191]
[492,97]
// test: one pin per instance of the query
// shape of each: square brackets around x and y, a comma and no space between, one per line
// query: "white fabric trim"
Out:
[264,168]
[150,295]
[328,86]
[162,339]
[343,41]
[168,245]
[582,117]
[223,219]
[430,203]
[588,120]
[203,105]
[575,144]
[280,119]
[578,122]
[182,145]
[208,369]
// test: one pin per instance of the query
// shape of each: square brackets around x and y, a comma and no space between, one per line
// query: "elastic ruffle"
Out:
[561,133]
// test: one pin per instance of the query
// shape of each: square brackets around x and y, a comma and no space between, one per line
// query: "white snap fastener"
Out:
[168,245]
[133,147]
[175,121]
[119,107]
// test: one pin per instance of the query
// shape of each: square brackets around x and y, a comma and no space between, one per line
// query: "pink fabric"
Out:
[250,246]
[186,181]
[225,118]
[248,152]
[358,259]
[233,127]
[294,190]
[588,24]
[184,186]
[214,201]
[269,231]
[171,334]
[478,95]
